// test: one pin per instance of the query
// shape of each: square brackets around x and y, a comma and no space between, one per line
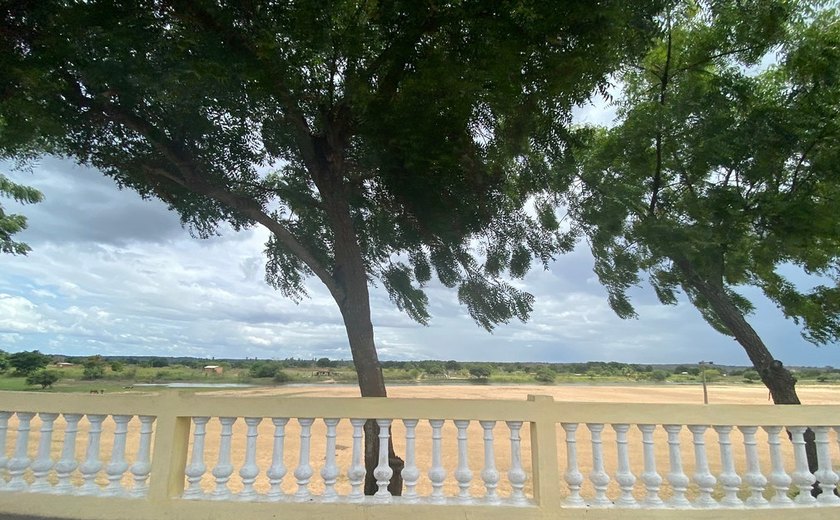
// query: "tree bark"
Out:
[778,379]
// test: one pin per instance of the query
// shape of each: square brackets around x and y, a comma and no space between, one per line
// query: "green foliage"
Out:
[545,375]
[324,363]
[45,378]
[93,372]
[4,361]
[117,366]
[264,369]
[26,362]
[281,377]
[10,224]
[480,371]
[659,375]
[750,376]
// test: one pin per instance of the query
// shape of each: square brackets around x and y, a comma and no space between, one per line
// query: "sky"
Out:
[113,274]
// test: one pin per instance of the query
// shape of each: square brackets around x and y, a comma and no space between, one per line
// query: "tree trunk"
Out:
[778,380]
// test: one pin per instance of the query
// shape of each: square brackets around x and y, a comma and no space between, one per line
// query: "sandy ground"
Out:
[575,393]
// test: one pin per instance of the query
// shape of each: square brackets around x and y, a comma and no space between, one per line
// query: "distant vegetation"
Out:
[30,370]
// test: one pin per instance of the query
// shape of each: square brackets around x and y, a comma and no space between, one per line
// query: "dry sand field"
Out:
[741,394]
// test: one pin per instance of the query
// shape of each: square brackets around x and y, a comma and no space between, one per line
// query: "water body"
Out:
[196,385]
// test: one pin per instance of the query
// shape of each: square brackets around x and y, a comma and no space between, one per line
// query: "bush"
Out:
[659,375]
[45,378]
[282,377]
[116,366]
[26,363]
[324,362]
[480,372]
[545,375]
[93,372]
[264,369]
[750,376]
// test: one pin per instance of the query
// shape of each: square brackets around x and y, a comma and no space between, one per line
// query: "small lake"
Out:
[196,385]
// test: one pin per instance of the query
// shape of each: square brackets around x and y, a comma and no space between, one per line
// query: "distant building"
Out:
[213,369]
[63,364]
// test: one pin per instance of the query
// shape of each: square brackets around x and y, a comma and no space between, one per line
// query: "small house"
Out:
[213,369]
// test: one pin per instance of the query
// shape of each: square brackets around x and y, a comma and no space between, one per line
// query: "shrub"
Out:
[545,375]
[281,377]
[93,372]
[480,372]
[264,369]
[659,375]
[45,378]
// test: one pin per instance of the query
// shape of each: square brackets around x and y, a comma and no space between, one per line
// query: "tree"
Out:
[717,174]
[45,378]
[26,363]
[4,361]
[401,134]
[324,362]
[479,371]
[12,224]
[545,374]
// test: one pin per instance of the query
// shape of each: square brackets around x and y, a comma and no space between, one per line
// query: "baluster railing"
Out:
[383,471]
[516,475]
[437,474]
[678,480]
[117,467]
[410,473]
[625,478]
[43,463]
[4,459]
[92,465]
[303,472]
[573,475]
[277,471]
[729,478]
[779,479]
[599,478]
[490,475]
[650,477]
[803,479]
[330,470]
[142,464]
[753,477]
[356,472]
[249,470]
[463,474]
[224,467]
[702,476]
[20,461]
[825,475]
[67,462]
[196,469]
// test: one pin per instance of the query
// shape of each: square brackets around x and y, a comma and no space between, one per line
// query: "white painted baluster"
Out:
[224,467]
[802,476]
[356,472]
[249,470]
[437,474]
[490,475]
[4,459]
[118,465]
[825,475]
[625,478]
[142,465]
[702,476]
[43,463]
[410,473]
[91,466]
[729,478]
[277,470]
[678,480]
[651,478]
[330,470]
[196,468]
[778,478]
[67,463]
[753,477]
[20,460]
[304,472]
[516,475]
[463,474]
[599,478]
[572,476]
[383,471]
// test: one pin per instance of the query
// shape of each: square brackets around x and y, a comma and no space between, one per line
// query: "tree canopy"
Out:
[10,224]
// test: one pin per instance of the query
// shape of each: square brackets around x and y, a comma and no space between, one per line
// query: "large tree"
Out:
[722,172]
[10,224]
[375,140]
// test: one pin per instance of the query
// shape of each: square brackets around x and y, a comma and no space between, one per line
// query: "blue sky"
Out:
[113,274]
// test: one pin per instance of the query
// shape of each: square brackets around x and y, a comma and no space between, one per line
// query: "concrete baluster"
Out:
[92,465]
[196,468]
[490,475]
[437,474]
[778,478]
[516,475]
[303,472]
[330,470]
[650,477]
[224,467]
[43,463]
[625,478]
[702,476]
[410,473]
[383,471]
[4,459]
[825,475]
[117,467]
[356,472]
[803,479]
[676,477]
[277,470]
[599,478]
[142,465]
[463,474]
[729,478]
[753,477]
[572,476]
[67,462]
[249,470]
[20,460]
